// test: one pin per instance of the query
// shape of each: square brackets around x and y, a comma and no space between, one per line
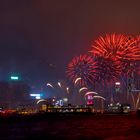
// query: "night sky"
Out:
[39,37]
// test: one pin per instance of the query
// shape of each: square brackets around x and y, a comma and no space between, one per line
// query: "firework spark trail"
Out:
[91,92]
[83,88]
[99,97]
[137,100]
[48,84]
[77,79]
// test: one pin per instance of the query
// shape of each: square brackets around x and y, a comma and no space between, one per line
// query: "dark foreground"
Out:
[71,127]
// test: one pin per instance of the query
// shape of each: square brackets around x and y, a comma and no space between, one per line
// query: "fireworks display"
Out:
[120,48]
[84,67]
[108,69]
[92,70]
[111,56]
[117,47]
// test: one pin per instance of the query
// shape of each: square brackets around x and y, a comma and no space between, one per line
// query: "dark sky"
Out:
[37,33]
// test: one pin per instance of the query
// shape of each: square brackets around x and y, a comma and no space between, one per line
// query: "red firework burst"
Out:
[117,47]
[82,67]
[108,69]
